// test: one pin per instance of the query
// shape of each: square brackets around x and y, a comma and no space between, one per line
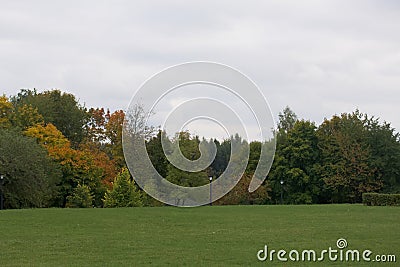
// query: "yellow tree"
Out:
[6,109]
[79,166]
[47,135]
[26,116]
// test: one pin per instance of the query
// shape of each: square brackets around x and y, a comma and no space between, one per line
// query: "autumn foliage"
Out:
[55,152]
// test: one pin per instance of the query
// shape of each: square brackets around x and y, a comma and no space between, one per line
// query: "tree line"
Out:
[54,152]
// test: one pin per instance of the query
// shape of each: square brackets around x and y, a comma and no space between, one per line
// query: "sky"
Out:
[320,58]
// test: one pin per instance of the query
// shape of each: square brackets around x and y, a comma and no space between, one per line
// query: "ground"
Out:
[205,236]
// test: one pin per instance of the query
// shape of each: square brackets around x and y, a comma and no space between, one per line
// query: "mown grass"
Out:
[204,236]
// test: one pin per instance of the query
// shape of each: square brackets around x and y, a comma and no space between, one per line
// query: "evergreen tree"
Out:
[80,197]
[124,192]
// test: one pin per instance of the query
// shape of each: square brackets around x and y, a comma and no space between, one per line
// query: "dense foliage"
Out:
[376,199]
[56,152]
[30,176]
[124,193]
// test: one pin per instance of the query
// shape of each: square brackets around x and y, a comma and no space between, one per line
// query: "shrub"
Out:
[375,199]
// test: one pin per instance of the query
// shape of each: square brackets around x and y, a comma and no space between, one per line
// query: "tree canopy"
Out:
[56,152]
[31,177]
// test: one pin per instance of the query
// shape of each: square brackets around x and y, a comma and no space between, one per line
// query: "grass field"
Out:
[205,236]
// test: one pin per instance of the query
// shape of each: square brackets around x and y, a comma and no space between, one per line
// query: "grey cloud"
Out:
[318,57]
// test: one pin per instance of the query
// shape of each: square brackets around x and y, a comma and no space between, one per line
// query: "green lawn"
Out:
[206,236]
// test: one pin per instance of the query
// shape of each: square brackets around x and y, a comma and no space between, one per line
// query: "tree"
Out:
[218,166]
[255,152]
[113,133]
[6,109]
[156,153]
[346,158]
[136,122]
[190,149]
[384,145]
[47,135]
[96,126]
[296,164]
[26,116]
[79,167]
[81,197]
[124,192]
[104,130]
[31,176]
[85,166]
[59,108]
[287,119]
[240,194]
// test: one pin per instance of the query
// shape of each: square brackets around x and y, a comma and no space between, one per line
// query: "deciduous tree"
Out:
[30,175]
[346,158]
[59,108]
[6,109]
[296,164]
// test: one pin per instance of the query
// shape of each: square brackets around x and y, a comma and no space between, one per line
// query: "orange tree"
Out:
[84,166]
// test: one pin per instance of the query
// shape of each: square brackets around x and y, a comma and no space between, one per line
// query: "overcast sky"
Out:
[318,57]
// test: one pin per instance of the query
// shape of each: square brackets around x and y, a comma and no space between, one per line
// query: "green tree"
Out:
[80,197]
[254,157]
[384,145]
[189,147]
[31,176]
[240,194]
[296,164]
[287,119]
[156,153]
[124,192]
[59,108]
[218,166]
[346,167]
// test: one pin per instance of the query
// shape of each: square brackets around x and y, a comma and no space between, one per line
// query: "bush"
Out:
[375,199]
